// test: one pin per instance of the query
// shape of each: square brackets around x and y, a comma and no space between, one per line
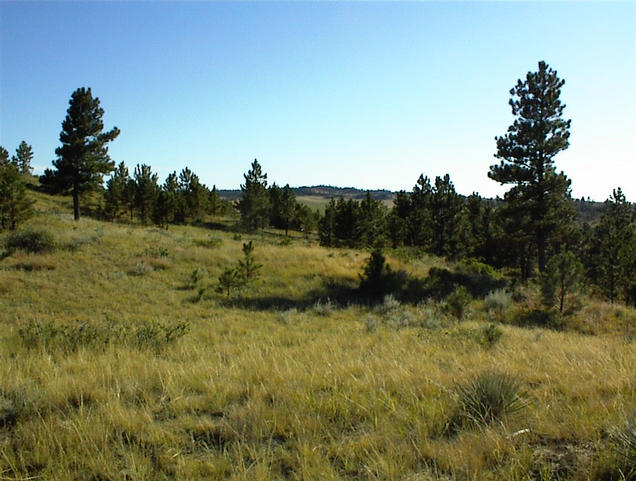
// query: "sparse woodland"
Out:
[156,331]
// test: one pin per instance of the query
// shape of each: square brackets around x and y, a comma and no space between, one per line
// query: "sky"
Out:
[363,94]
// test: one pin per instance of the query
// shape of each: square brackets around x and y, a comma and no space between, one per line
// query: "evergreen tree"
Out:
[163,209]
[254,205]
[115,195]
[562,274]
[447,219]
[248,267]
[397,220]
[345,222]
[23,158]
[527,151]
[15,206]
[419,220]
[146,191]
[172,187]
[288,207]
[193,194]
[613,248]
[327,225]
[83,156]
[214,202]
[4,156]
[370,226]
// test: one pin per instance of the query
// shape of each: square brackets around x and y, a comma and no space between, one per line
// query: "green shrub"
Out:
[458,301]
[31,240]
[489,397]
[490,334]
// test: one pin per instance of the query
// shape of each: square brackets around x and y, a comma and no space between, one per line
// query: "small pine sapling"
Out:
[248,267]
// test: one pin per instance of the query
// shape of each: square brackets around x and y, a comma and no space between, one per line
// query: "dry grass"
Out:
[265,387]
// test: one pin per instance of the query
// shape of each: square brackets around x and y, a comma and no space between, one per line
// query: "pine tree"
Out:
[23,157]
[254,205]
[370,226]
[448,222]
[15,206]
[419,220]
[164,207]
[613,246]
[4,156]
[288,207]
[561,276]
[194,195]
[527,154]
[146,191]
[248,267]
[115,195]
[83,156]
[327,225]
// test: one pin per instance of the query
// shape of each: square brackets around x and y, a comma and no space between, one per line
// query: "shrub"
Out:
[497,302]
[489,397]
[378,279]
[490,334]
[31,240]
[458,301]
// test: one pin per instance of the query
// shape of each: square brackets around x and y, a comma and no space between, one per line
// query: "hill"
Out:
[119,360]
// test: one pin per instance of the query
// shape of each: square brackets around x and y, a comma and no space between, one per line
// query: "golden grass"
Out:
[276,389]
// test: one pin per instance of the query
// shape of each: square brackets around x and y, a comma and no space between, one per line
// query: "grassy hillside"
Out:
[114,366]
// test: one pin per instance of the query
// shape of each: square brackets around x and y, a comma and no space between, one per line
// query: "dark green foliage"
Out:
[4,156]
[490,335]
[164,208]
[613,253]
[34,241]
[284,208]
[194,196]
[83,156]
[377,279]
[440,283]
[539,203]
[370,225]
[23,157]
[349,223]
[561,276]
[117,200]
[254,205]
[448,221]
[229,280]
[490,397]
[248,267]
[146,190]
[15,206]
[457,302]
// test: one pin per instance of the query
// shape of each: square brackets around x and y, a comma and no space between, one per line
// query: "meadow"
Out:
[117,363]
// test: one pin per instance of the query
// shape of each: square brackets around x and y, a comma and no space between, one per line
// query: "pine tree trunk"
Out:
[541,250]
[76,211]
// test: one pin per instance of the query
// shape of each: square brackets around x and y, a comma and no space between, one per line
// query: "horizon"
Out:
[364,95]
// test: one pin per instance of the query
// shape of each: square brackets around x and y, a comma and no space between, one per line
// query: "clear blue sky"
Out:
[350,94]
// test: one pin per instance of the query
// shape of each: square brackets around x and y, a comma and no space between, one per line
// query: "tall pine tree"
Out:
[254,205]
[23,157]
[83,156]
[527,153]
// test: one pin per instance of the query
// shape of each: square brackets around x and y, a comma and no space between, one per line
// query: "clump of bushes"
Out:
[31,240]
[489,397]
[497,303]
[490,335]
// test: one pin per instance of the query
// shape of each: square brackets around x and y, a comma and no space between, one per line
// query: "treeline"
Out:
[180,198]
[15,206]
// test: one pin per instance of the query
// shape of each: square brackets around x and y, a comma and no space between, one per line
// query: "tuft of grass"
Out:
[625,440]
[489,397]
